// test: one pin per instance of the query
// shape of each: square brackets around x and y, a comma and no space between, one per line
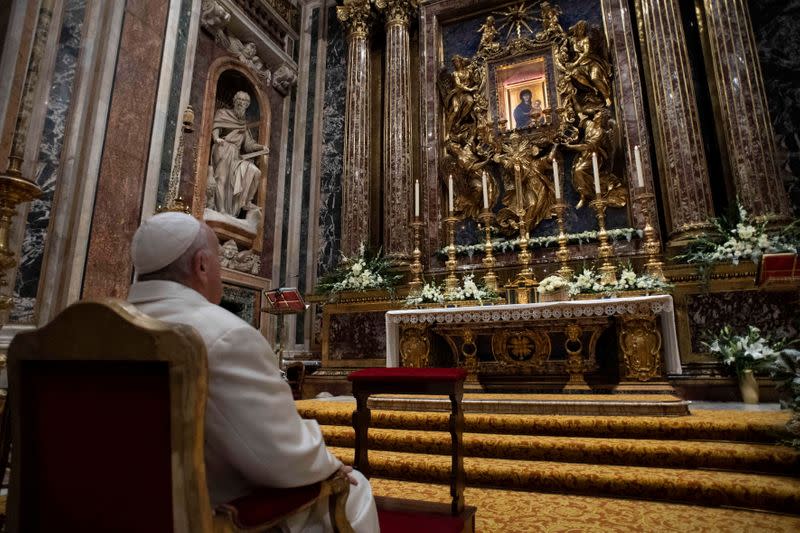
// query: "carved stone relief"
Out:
[245,261]
[215,18]
[284,79]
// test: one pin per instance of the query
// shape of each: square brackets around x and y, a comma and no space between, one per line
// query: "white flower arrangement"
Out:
[509,245]
[360,273]
[435,293]
[741,239]
[748,351]
[551,284]
[590,282]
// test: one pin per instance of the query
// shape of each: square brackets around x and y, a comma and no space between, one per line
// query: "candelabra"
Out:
[451,281]
[608,272]
[14,190]
[652,246]
[490,278]
[415,286]
[563,252]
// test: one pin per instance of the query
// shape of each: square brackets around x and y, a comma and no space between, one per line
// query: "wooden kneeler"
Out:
[406,515]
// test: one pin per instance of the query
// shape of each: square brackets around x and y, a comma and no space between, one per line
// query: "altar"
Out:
[624,344]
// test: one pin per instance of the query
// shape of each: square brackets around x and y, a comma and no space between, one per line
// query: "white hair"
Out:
[180,270]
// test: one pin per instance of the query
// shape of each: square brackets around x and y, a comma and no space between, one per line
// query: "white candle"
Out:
[556,183]
[638,156]
[416,198]
[450,193]
[485,190]
[596,174]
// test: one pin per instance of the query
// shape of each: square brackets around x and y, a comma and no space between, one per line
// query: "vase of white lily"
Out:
[748,386]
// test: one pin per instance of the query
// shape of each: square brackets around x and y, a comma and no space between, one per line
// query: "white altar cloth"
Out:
[660,304]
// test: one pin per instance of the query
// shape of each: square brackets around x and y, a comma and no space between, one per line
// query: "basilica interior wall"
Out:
[106,144]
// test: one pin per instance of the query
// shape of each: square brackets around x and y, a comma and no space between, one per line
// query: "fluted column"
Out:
[397,202]
[679,143]
[355,16]
[743,111]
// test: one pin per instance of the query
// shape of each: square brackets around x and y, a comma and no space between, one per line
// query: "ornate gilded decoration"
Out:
[356,16]
[215,18]
[414,346]
[640,344]
[570,76]
[527,347]
[397,11]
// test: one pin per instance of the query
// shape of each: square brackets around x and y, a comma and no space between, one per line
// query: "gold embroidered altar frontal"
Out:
[531,342]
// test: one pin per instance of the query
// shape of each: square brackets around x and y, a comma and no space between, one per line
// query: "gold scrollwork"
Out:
[521,347]
[578,120]
[414,346]
[640,343]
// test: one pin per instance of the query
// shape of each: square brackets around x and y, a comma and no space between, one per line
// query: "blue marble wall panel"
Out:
[463,38]
[307,162]
[173,113]
[332,166]
[48,166]
[776,24]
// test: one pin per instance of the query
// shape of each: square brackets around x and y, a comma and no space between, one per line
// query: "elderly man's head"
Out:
[178,247]
[241,101]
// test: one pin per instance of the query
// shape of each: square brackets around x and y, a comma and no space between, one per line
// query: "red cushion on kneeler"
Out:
[408,374]
[408,522]
[264,505]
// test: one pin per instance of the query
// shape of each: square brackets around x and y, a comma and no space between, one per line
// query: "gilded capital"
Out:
[356,16]
[397,11]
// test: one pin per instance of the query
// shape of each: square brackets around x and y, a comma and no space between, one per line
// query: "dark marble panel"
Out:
[307,162]
[776,24]
[332,167]
[772,312]
[173,113]
[48,165]
[357,336]
[242,302]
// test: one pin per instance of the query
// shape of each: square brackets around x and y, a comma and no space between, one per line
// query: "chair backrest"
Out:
[107,408]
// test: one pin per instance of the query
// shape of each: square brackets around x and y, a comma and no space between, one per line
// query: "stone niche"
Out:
[233,155]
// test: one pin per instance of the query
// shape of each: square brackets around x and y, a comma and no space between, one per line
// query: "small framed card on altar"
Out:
[284,301]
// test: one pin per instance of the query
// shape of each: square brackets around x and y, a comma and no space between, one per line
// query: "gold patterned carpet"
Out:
[506,511]
[711,458]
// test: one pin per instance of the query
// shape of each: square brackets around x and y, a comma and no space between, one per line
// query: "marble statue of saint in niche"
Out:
[235,175]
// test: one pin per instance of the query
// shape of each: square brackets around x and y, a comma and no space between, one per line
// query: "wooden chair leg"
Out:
[361,421]
[457,477]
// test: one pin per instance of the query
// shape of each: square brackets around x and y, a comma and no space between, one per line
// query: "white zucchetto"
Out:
[161,239]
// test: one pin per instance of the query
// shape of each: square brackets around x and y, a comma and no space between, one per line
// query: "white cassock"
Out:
[253,433]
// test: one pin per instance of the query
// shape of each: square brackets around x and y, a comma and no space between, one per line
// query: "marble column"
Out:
[742,109]
[356,16]
[679,143]
[397,203]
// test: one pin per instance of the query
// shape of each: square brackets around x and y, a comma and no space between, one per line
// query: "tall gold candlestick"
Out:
[451,281]
[652,246]
[563,251]
[608,272]
[489,278]
[415,286]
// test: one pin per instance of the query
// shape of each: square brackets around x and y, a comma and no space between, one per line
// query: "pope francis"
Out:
[253,433]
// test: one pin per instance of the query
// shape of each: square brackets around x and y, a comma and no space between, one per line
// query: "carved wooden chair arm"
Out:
[265,508]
